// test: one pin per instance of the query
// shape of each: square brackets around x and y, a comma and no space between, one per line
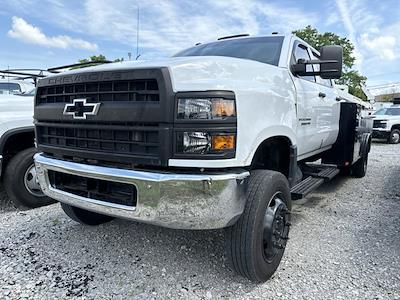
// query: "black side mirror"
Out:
[331,63]
[331,70]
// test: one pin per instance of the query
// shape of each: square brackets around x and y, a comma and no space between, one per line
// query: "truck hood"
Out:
[199,72]
[386,117]
[16,108]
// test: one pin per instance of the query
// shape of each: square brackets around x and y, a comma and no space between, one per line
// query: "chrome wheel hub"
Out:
[32,183]
[276,227]
[396,137]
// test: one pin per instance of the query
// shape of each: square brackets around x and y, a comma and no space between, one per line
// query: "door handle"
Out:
[321,95]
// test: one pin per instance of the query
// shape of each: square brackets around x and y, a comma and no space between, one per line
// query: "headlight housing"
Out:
[205,125]
[203,142]
[206,109]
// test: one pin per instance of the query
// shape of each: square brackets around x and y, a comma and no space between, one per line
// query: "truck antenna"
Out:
[232,36]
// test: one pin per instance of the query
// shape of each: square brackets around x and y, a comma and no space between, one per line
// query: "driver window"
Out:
[326,82]
[301,52]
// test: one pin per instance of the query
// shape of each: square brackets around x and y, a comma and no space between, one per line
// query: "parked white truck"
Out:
[17,148]
[223,135]
[387,124]
[13,86]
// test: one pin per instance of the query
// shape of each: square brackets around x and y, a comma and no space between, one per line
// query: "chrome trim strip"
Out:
[128,176]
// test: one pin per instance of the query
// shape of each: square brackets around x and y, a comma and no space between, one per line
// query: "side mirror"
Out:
[330,64]
[331,70]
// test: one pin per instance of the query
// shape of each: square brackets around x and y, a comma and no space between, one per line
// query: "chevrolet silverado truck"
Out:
[222,135]
[387,124]
[17,147]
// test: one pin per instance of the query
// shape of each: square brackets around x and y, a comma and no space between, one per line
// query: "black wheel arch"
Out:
[14,141]
[276,154]
[366,142]
[396,126]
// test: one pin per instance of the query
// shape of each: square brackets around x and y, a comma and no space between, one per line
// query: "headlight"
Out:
[205,142]
[205,109]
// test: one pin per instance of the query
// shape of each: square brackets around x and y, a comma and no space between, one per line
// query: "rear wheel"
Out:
[394,137]
[359,169]
[256,243]
[84,216]
[21,182]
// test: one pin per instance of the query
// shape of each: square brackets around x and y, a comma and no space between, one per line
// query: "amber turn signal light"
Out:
[223,142]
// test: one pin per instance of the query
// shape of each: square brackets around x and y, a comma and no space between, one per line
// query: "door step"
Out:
[317,175]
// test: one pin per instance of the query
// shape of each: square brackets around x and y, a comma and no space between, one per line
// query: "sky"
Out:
[47,33]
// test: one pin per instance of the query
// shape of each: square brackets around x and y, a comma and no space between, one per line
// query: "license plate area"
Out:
[96,189]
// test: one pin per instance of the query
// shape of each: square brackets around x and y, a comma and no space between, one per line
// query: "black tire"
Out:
[83,216]
[246,240]
[359,169]
[19,183]
[394,137]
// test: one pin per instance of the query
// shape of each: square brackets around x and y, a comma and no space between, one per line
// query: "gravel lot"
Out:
[345,244]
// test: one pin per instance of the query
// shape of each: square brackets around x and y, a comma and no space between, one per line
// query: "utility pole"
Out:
[137,34]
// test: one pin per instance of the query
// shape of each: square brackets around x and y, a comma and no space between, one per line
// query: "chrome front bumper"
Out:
[182,201]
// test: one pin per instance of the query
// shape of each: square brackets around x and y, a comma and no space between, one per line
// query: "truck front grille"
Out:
[139,90]
[100,137]
[96,189]
[131,127]
[379,124]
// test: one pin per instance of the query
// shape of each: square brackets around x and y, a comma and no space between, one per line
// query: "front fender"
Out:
[267,133]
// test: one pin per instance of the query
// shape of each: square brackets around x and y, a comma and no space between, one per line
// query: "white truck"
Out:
[387,124]
[13,86]
[223,135]
[17,148]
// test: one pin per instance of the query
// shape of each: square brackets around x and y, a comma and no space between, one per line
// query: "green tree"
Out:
[354,81]
[352,78]
[94,58]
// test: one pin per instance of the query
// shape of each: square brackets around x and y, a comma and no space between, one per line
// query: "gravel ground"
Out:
[5,204]
[345,244]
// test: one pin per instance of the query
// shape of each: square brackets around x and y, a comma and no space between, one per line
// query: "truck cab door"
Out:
[329,108]
[310,106]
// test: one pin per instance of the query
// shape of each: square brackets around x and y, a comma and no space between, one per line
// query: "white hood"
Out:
[197,73]
[15,107]
[15,111]
[386,117]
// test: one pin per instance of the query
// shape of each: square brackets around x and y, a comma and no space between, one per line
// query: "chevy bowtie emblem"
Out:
[79,109]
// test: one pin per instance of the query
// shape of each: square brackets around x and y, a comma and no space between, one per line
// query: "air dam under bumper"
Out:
[181,201]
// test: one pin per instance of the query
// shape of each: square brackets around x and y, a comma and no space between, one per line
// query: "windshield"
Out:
[8,88]
[391,111]
[264,49]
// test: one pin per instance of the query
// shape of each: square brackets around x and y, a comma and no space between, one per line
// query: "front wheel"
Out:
[83,216]
[256,243]
[21,182]
[394,137]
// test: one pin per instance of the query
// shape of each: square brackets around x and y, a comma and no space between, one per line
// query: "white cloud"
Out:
[382,46]
[375,38]
[344,10]
[170,25]
[27,33]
